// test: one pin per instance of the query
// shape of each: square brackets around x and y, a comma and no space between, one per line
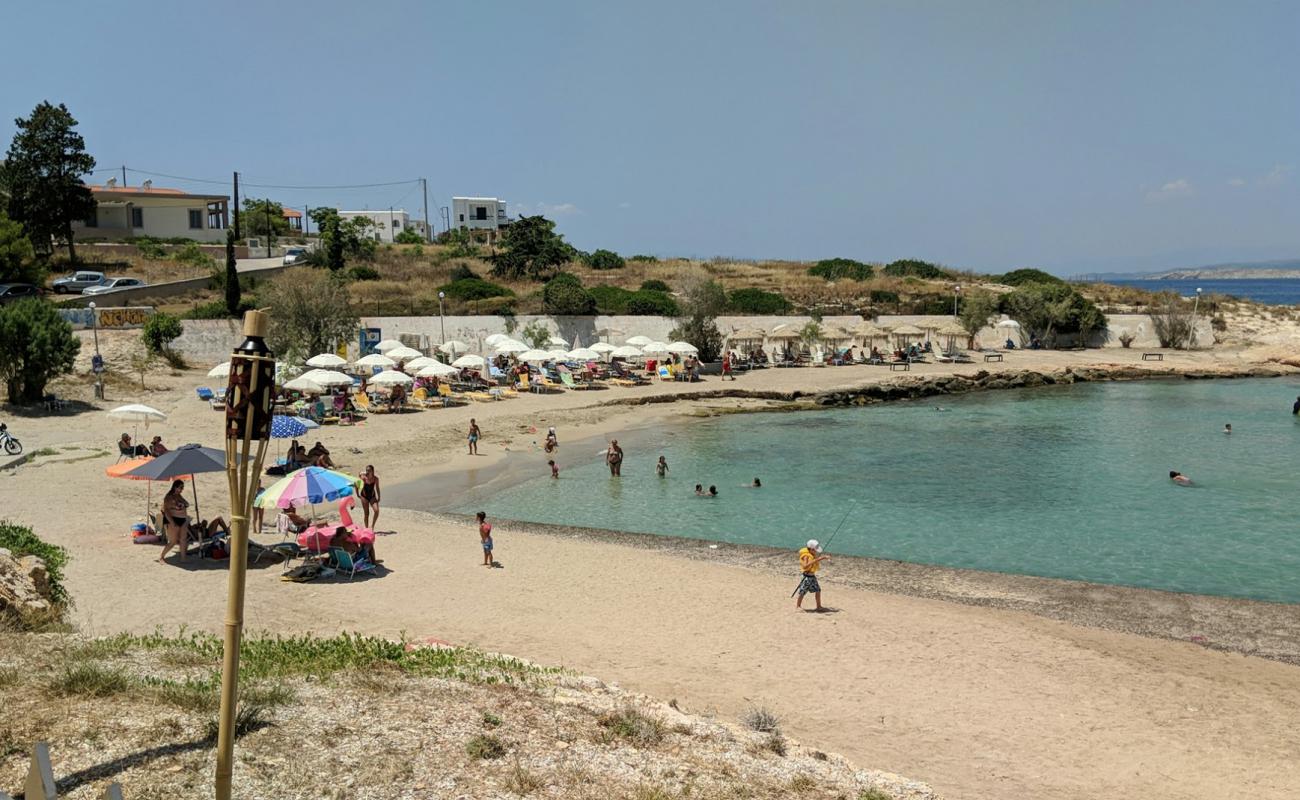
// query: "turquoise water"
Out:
[1068,482]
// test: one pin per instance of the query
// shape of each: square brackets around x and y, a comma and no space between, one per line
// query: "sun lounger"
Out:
[204,393]
[343,562]
[448,398]
[943,359]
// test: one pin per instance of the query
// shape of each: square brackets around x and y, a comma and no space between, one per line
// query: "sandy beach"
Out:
[983,686]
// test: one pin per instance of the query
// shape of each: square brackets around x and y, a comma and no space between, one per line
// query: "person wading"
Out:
[614,458]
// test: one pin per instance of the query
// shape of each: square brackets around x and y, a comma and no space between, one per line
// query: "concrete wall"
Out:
[109,318]
[211,340]
[163,291]
[217,251]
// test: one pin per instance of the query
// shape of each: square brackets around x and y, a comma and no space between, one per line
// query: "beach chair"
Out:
[545,385]
[665,374]
[943,358]
[448,398]
[343,562]
[566,378]
[204,393]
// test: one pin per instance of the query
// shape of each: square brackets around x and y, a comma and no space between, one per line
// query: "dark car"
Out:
[10,292]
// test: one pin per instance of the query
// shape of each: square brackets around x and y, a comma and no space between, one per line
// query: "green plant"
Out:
[36,345]
[653,285]
[1019,277]
[310,312]
[801,784]
[702,299]
[1172,320]
[408,236]
[20,541]
[834,269]
[460,243]
[913,268]
[491,720]
[757,301]
[611,299]
[216,310]
[1126,339]
[249,717]
[361,272]
[776,743]
[474,289]
[762,720]
[651,303]
[17,256]
[873,794]
[150,248]
[883,296]
[605,259]
[530,248]
[42,175]
[536,334]
[645,258]
[88,679]
[159,331]
[484,747]
[462,272]
[564,295]
[976,311]
[193,255]
[629,723]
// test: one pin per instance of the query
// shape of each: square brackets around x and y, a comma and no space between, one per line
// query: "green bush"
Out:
[20,541]
[150,247]
[647,303]
[462,272]
[757,301]
[36,345]
[653,285]
[361,272]
[160,331]
[408,236]
[1019,277]
[563,294]
[193,255]
[834,269]
[611,299]
[485,746]
[474,289]
[605,259]
[914,268]
[645,258]
[883,296]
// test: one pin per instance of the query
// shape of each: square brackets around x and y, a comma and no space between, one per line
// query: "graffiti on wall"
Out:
[81,319]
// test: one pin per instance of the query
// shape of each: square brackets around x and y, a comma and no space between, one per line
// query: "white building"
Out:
[478,213]
[147,210]
[387,224]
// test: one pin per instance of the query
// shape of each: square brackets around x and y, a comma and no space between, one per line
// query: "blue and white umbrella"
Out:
[284,427]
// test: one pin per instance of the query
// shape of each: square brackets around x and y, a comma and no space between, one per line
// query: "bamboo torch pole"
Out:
[249,393]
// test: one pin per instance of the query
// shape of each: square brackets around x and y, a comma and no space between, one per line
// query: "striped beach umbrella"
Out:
[309,485]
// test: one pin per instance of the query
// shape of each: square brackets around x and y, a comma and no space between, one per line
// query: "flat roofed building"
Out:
[122,212]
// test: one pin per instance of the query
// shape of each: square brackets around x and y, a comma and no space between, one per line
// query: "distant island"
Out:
[1243,270]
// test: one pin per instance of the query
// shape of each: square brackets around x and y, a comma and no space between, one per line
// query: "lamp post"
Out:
[97,364]
[249,393]
[956,291]
[1191,334]
[442,328]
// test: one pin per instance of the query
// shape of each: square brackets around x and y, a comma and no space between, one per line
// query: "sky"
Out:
[1076,137]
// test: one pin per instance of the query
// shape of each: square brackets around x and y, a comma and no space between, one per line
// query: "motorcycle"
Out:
[11,445]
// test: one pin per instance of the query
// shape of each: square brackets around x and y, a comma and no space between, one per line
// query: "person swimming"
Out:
[1228,428]
[757,484]
[1179,478]
[713,491]
[699,490]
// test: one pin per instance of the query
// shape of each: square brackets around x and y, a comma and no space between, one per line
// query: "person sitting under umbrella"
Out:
[297,522]
[319,456]
[125,447]
[156,447]
[341,540]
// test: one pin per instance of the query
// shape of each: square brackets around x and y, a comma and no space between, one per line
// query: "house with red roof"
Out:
[122,212]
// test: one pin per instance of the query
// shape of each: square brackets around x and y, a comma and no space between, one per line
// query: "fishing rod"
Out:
[852,507]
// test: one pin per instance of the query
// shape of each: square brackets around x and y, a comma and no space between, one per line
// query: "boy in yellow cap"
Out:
[810,560]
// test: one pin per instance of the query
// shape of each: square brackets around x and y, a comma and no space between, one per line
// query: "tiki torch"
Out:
[248,429]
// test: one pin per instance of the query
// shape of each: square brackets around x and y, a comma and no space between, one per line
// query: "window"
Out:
[137,217]
[480,212]
[92,221]
[462,217]
[196,219]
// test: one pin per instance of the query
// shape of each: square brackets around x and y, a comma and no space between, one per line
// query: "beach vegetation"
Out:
[564,294]
[610,299]
[834,269]
[701,300]
[530,248]
[340,239]
[159,331]
[310,313]
[1050,309]
[467,289]
[873,794]
[802,784]
[459,242]
[811,333]
[362,272]
[20,541]
[409,236]
[915,268]
[36,345]
[635,726]
[249,717]
[976,310]
[654,285]
[652,304]
[1020,277]
[491,720]
[42,175]
[522,782]
[1173,320]
[604,259]
[762,720]
[644,258]
[462,272]
[90,679]
[263,218]
[17,256]
[757,301]
[485,747]
[1126,339]
[536,335]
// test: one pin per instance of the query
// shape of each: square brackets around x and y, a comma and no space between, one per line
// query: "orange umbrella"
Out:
[120,469]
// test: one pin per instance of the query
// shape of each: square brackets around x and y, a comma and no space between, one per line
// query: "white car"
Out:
[295,255]
[77,282]
[113,284]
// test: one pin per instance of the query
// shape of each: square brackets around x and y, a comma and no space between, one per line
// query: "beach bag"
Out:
[303,573]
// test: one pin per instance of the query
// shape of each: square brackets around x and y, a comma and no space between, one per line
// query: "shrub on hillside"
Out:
[564,294]
[361,272]
[883,296]
[1019,277]
[21,541]
[408,236]
[611,299]
[834,269]
[914,268]
[648,303]
[461,272]
[160,331]
[654,285]
[36,345]
[474,289]
[193,255]
[645,258]
[150,247]
[605,259]
[757,301]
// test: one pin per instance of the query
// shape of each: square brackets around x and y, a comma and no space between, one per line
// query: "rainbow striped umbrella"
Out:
[310,485]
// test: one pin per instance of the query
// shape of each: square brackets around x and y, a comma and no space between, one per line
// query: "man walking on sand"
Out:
[810,560]
[485,535]
[474,433]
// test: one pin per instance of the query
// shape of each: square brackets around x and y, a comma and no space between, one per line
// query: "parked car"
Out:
[77,282]
[11,292]
[113,284]
[295,255]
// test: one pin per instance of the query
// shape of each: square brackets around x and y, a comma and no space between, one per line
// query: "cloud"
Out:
[558,209]
[1236,181]
[625,204]
[1277,175]
[1173,190]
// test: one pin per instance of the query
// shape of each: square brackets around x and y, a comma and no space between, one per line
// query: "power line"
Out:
[274,185]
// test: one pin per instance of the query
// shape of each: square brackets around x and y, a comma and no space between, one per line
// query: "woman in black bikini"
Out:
[370,496]
[176,518]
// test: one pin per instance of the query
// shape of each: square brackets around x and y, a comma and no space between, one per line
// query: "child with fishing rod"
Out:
[810,560]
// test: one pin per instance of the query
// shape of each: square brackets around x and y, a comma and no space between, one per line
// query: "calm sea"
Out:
[1068,482]
[1272,291]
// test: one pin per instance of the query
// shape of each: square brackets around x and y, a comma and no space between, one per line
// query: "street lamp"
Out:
[97,363]
[956,291]
[1196,304]
[441,327]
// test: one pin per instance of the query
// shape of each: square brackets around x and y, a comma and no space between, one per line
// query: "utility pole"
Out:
[124,176]
[270,228]
[306,219]
[424,184]
[236,206]
[390,224]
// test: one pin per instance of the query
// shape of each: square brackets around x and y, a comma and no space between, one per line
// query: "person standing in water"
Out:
[810,560]
[370,496]
[1179,478]
[555,471]
[1295,409]
[474,433]
[1228,429]
[661,469]
[614,458]
[485,536]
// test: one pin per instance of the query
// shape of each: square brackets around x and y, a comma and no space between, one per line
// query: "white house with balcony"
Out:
[387,224]
[122,212]
[482,216]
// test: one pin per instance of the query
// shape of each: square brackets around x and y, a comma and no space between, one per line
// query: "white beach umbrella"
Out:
[654,348]
[388,344]
[417,364]
[583,354]
[327,377]
[639,341]
[453,346]
[221,370]
[327,361]
[469,362]
[303,384]
[626,351]
[534,355]
[512,347]
[403,353]
[136,412]
[392,378]
[495,339]
[558,354]
[603,347]
[436,370]
[557,341]
[1009,324]
[375,360]
[683,347]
